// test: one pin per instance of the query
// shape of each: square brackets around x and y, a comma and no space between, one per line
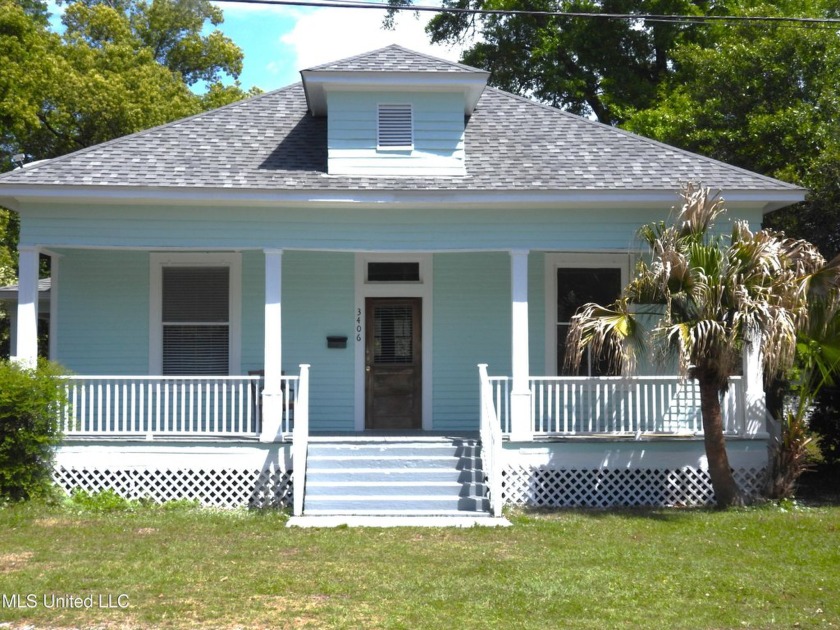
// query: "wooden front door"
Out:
[393,367]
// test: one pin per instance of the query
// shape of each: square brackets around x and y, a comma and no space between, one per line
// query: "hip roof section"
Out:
[273,143]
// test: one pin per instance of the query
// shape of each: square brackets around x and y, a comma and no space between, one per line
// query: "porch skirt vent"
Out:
[227,488]
[605,487]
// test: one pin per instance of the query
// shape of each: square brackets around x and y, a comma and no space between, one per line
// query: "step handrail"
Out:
[300,439]
[491,443]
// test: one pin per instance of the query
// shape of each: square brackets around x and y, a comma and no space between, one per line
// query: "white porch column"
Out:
[520,398]
[26,344]
[272,398]
[754,413]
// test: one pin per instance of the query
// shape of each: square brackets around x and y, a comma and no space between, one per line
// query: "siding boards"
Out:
[344,229]
[103,320]
[103,312]
[471,326]
[253,311]
[318,300]
[438,134]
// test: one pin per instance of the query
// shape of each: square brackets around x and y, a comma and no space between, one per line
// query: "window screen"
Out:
[196,320]
[576,287]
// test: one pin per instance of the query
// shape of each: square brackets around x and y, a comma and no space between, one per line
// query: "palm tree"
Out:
[712,295]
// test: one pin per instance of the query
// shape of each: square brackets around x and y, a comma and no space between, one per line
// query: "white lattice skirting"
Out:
[605,487]
[227,488]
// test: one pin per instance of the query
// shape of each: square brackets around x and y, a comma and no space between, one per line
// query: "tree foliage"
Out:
[760,95]
[763,96]
[120,66]
[593,67]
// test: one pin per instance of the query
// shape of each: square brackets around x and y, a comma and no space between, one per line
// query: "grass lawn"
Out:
[754,568]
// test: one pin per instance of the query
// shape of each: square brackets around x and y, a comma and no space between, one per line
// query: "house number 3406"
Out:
[358,324]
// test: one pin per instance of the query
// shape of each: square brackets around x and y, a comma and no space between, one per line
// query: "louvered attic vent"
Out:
[395,128]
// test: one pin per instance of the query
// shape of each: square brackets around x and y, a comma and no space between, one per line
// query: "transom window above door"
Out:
[401,271]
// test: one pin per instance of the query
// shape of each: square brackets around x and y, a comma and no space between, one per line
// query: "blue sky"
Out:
[280,41]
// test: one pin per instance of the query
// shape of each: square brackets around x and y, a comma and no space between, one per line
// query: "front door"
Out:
[393,368]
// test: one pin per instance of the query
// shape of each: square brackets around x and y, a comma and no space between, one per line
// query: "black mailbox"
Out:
[334,341]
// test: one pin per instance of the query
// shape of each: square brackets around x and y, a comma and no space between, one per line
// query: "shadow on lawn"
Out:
[663,514]
[821,486]
[817,488]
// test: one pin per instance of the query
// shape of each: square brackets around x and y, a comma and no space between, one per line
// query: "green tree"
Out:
[592,67]
[119,67]
[170,29]
[757,94]
[762,96]
[715,295]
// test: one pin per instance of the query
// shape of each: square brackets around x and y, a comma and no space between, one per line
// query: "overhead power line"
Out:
[677,19]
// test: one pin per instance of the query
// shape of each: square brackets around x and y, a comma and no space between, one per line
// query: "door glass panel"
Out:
[393,329]
[576,287]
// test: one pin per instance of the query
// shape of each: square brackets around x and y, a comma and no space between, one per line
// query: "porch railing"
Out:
[152,406]
[641,405]
[491,442]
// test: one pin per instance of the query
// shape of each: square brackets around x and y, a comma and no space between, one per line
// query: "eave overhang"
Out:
[317,83]
[14,196]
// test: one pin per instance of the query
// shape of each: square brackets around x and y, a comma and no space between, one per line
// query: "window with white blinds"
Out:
[395,126]
[195,317]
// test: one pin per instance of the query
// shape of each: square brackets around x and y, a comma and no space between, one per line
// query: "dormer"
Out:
[394,112]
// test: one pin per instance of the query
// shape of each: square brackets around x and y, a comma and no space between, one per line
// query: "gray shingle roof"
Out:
[271,142]
[394,58]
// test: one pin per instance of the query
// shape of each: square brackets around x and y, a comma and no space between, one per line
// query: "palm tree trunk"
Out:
[727,493]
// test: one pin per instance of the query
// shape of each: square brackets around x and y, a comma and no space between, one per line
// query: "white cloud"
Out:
[329,34]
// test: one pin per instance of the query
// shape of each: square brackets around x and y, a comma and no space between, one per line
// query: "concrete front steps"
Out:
[394,477]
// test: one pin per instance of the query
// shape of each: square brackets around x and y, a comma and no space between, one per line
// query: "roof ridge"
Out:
[457,64]
[172,123]
[370,53]
[642,138]
[350,58]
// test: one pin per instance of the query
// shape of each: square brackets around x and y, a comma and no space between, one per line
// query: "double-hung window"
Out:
[195,327]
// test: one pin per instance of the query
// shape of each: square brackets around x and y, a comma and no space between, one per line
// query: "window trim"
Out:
[157,262]
[394,147]
[555,261]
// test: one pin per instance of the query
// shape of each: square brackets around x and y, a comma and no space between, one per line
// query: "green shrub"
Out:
[825,423]
[102,501]
[110,501]
[30,403]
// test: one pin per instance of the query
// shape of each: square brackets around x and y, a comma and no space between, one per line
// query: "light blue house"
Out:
[309,280]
